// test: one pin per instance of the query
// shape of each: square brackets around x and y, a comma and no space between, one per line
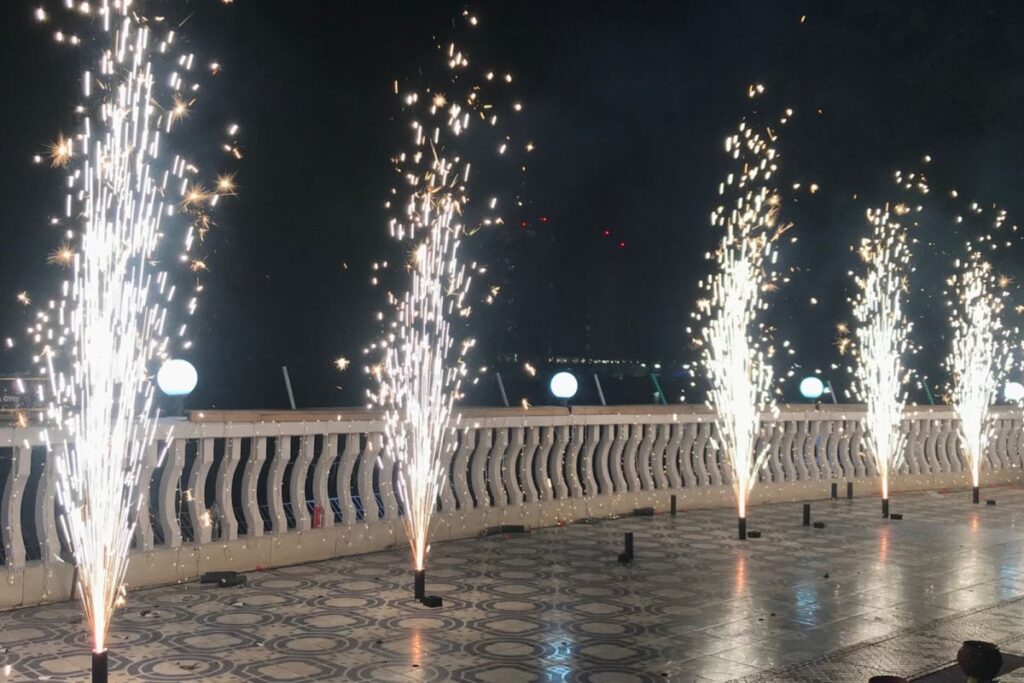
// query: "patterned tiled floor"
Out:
[860,597]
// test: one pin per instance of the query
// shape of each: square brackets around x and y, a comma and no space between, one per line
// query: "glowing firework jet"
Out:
[980,357]
[420,376]
[881,340]
[99,341]
[737,350]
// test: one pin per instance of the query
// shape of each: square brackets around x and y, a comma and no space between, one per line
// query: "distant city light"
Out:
[811,388]
[564,385]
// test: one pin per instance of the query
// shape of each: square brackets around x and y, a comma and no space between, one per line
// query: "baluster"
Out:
[143,524]
[445,494]
[1001,443]
[572,475]
[629,457]
[951,447]
[601,462]
[510,466]
[590,449]
[495,467]
[913,437]
[772,432]
[691,430]
[321,471]
[1014,441]
[811,450]
[250,478]
[297,483]
[460,468]
[842,439]
[803,473]
[527,467]
[556,463]
[931,460]
[343,479]
[10,507]
[169,481]
[195,500]
[941,446]
[540,464]
[275,485]
[478,465]
[616,457]
[718,469]
[386,482]
[662,432]
[1018,441]
[675,439]
[225,479]
[786,450]
[703,436]
[364,476]
[644,457]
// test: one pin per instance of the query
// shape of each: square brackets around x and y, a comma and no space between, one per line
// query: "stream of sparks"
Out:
[737,352]
[881,337]
[980,356]
[421,374]
[99,341]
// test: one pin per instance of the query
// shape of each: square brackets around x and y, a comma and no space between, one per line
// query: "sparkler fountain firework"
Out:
[99,342]
[420,376]
[881,340]
[980,357]
[737,350]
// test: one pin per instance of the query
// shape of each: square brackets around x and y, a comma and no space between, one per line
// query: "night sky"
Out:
[627,104]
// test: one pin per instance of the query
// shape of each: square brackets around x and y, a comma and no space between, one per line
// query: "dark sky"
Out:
[627,103]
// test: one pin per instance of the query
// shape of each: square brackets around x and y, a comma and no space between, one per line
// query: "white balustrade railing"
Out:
[244,489]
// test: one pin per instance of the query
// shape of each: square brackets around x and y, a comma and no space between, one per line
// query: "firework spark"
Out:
[881,340]
[980,357]
[420,377]
[737,351]
[109,326]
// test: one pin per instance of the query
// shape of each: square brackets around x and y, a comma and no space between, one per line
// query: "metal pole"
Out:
[831,391]
[600,392]
[931,399]
[657,387]
[501,388]
[288,386]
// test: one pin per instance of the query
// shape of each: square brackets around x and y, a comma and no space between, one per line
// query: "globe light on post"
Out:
[1013,391]
[563,385]
[177,379]
[812,388]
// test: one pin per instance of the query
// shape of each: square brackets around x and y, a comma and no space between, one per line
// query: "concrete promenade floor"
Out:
[863,596]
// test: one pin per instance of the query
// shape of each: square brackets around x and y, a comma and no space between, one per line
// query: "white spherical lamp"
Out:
[812,388]
[1014,391]
[177,377]
[564,385]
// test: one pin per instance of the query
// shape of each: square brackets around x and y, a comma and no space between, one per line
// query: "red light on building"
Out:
[622,244]
[523,224]
[606,232]
[543,219]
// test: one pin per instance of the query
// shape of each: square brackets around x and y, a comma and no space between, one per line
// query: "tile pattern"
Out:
[862,596]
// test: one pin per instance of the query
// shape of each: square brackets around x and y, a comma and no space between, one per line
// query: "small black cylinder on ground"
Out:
[672,505]
[99,667]
[885,507]
[420,584]
[835,490]
[976,495]
[742,527]
[807,514]
[849,490]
